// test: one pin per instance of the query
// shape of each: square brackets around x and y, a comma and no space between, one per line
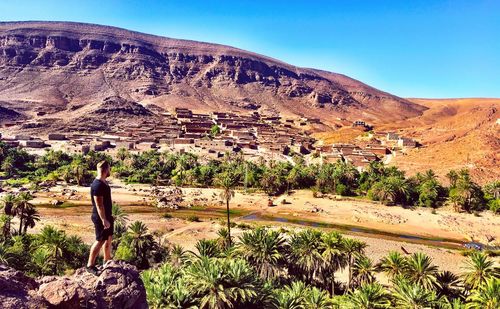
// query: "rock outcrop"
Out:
[118,286]
[19,291]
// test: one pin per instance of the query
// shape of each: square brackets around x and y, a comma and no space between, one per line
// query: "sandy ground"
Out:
[136,200]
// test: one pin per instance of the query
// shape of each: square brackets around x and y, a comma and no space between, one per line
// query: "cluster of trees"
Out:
[49,252]
[52,252]
[20,206]
[381,183]
[386,184]
[280,269]
[263,268]
[17,166]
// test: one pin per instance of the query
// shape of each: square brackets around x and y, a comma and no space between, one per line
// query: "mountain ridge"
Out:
[57,67]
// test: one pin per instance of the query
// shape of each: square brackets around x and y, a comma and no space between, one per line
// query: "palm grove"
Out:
[388,185]
[263,267]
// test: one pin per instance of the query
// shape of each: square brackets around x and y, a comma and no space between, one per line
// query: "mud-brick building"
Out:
[57,137]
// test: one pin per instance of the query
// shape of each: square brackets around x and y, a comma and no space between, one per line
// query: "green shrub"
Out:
[193,218]
[244,226]
[124,252]
[342,189]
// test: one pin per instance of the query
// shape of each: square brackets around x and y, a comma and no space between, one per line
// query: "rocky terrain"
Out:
[57,72]
[118,286]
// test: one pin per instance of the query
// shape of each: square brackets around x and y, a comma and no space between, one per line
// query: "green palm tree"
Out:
[222,283]
[120,219]
[334,258]
[123,154]
[30,217]
[292,178]
[141,241]
[384,191]
[8,202]
[78,169]
[352,247]
[448,285]
[452,176]
[6,221]
[263,249]
[368,296]
[421,271]
[9,166]
[5,254]
[477,270]
[21,203]
[412,295]
[223,235]
[455,304]
[178,256]
[394,264]
[55,242]
[348,171]
[207,248]
[363,270]
[227,181]
[317,299]
[291,296]
[466,194]
[429,193]
[167,288]
[486,296]
[42,261]
[304,257]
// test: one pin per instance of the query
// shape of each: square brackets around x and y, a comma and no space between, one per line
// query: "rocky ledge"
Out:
[118,286]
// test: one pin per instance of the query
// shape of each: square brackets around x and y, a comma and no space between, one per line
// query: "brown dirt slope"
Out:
[60,68]
[456,133]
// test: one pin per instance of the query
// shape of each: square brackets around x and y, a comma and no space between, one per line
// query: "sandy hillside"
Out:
[456,133]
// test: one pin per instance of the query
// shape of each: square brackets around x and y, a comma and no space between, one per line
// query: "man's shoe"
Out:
[93,270]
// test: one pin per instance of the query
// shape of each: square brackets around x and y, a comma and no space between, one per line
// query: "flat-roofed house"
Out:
[183,141]
[406,142]
[57,137]
[391,136]
[33,143]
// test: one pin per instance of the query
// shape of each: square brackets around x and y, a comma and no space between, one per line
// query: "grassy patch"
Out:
[18,182]
[232,212]
[167,216]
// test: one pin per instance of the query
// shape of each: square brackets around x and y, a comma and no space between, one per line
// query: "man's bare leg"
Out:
[107,249]
[94,252]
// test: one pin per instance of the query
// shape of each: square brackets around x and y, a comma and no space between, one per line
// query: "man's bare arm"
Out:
[99,200]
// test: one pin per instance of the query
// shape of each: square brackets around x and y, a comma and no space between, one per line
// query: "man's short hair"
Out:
[103,165]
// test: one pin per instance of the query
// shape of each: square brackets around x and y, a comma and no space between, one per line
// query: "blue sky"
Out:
[421,48]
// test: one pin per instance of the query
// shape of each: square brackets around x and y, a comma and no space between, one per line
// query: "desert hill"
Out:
[455,133]
[58,72]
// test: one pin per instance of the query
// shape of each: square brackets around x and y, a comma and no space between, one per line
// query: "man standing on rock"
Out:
[100,194]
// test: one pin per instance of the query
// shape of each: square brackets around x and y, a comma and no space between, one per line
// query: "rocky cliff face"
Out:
[118,286]
[56,67]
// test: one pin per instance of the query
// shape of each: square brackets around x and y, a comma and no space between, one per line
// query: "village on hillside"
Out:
[212,135]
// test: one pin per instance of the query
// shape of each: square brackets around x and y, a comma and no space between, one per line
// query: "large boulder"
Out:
[118,286]
[18,290]
[66,293]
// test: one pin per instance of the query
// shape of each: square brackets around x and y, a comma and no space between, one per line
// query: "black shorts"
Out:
[100,232]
